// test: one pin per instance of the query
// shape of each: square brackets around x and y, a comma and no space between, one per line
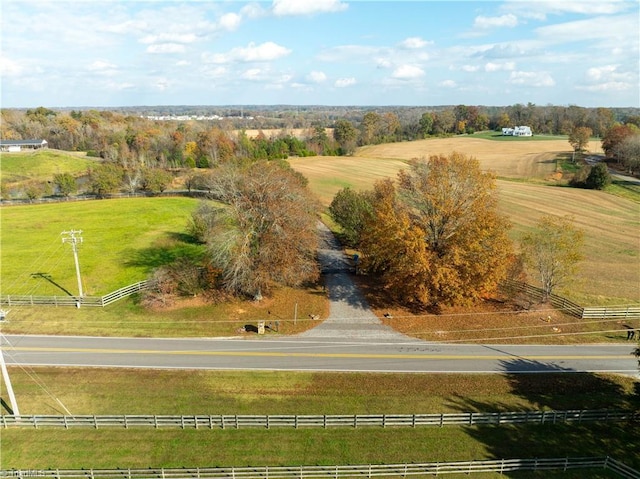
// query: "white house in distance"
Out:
[517,131]
[19,145]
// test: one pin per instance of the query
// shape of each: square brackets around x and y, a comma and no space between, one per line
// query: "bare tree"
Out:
[553,249]
[263,232]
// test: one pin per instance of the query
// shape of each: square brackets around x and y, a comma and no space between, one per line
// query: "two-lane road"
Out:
[305,354]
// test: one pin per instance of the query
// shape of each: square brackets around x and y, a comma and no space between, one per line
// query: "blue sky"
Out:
[319,52]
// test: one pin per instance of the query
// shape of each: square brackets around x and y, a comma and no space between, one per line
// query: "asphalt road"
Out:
[299,354]
[352,338]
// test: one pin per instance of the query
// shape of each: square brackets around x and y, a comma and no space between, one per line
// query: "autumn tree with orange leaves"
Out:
[436,236]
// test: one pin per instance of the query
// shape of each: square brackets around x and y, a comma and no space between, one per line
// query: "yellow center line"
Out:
[314,355]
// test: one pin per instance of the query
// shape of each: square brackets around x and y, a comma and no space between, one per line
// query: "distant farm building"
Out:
[517,131]
[20,145]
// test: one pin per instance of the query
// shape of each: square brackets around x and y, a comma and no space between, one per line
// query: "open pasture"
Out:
[39,164]
[123,240]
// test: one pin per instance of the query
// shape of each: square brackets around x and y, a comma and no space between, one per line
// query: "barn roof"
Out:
[22,142]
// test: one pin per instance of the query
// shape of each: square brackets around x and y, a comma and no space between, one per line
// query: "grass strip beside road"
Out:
[40,390]
[138,448]
[120,391]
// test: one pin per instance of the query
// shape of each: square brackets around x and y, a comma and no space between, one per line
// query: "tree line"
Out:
[130,139]
[432,236]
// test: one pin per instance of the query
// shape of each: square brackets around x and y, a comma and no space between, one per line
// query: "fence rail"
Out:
[611,312]
[95,301]
[337,471]
[574,309]
[604,312]
[316,421]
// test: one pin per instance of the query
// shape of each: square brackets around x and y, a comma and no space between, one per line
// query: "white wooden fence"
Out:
[337,471]
[604,312]
[317,421]
[100,301]
[574,309]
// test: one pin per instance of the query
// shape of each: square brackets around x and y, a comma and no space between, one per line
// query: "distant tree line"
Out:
[127,137]
[138,152]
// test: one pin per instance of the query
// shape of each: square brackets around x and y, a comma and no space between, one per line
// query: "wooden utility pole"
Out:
[74,238]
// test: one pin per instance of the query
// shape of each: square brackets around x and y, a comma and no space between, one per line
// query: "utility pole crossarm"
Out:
[73,237]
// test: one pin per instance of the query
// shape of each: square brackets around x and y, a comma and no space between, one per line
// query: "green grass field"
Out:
[101,391]
[123,240]
[497,136]
[42,165]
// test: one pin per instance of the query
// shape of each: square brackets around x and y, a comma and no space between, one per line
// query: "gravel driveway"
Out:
[350,316]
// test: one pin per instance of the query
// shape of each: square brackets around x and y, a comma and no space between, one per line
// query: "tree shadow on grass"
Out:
[559,389]
[157,256]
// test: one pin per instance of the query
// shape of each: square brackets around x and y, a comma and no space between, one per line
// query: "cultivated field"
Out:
[610,273]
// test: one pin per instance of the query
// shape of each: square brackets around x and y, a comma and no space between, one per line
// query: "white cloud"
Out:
[609,78]
[413,43]
[383,63]
[125,27]
[307,7]
[119,86]
[507,50]
[169,38]
[230,21]
[536,79]
[448,84]
[598,73]
[316,77]
[166,48]
[252,53]
[607,87]
[10,67]
[408,72]
[507,20]
[103,67]
[345,82]
[215,72]
[183,63]
[540,10]
[253,74]
[253,10]
[469,68]
[495,67]
[621,29]
[161,84]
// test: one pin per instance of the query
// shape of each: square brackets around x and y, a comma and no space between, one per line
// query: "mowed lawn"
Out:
[105,391]
[610,273]
[123,240]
